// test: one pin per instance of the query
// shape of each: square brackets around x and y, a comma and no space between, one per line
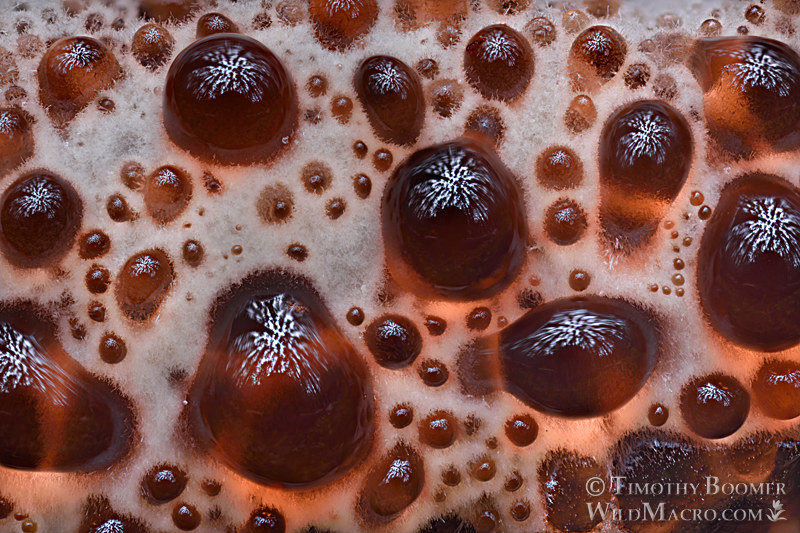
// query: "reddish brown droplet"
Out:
[316,177]
[637,75]
[112,349]
[163,483]
[714,406]
[401,416]
[193,253]
[595,57]
[711,27]
[462,239]
[94,244]
[97,311]
[186,517]
[451,476]
[704,213]
[342,108]
[392,96]
[438,429]
[275,204]
[211,487]
[433,372]
[338,24]
[646,151]
[580,114]
[394,341]
[175,11]
[118,209]
[755,14]
[220,117]
[167,192]
[657,415]
[355,316]
[71,74]
[317,85]
[382,160]
[579,280]
[485,121]
[513,482]
[265,520]
[16,138]
[298,252]
[40,213]
[393,483]
[748,269]
[360,149]
[143,282]
[766,116]
[212,23]
[569,483]
[428,68]
[152,45]
[521,430]
[55,415]
[541,31]
[479,318]
[776,389]
[97,279]
[304,421]
[482,468]
[559,168]
[362,185]
[132,175]
[436,326]
[565,222]
[446,96]
[498,62]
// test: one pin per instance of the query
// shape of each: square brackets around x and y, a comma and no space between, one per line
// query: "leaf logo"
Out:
[774,514]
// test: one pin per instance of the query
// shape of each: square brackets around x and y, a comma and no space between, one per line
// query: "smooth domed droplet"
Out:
[394,341]
[595,57]
[152,45]
[565,222]
[54,414]
[559,168]
[40,214]
[498,62]
[338,24]
[574,357]
[748,269]
[167,192]
[646,151]
[265,520]
[163,483]
[392,96]
[714,406]
[212,23]
[143,282]
[281,396]
[751,87]
[438,429]
[776,389]
[393,483]
[71,73]
[229,99]
[454,222]
[16,138]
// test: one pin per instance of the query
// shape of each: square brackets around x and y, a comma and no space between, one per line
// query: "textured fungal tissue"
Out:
[399,266]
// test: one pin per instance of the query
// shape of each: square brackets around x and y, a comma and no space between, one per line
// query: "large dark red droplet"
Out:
[498,62]
[338,24]
[454,222]
[574,357]
[654,457]
[72,71]
[646,150]
[392,96]
[748,269]
[16,138]
[167,192]
[752,90]
[229,99]
[565,480]
[776,389]
[595,57]
[714,406]
[143,282]
[163,483]
[281,396]
[392,484]
[40,214]
[54,414]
